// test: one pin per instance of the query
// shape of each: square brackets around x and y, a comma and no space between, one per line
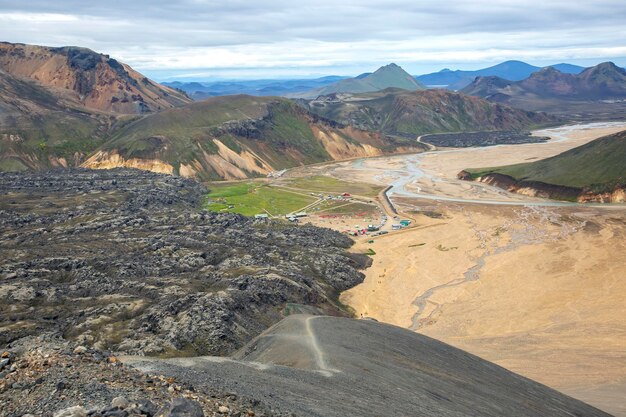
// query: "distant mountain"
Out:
[389,76]
[96,81]
[549,82]
[568,68]
[488,88]
[203,90]
[605,80]
[592,172]
[549,89]
[412,113]
[510,70]
[235,137]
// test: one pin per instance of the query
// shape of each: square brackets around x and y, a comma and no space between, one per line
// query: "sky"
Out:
[242,39]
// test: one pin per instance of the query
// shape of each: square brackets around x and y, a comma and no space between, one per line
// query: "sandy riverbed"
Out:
[538,290]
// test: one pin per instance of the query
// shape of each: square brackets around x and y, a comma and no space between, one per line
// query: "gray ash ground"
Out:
[487,138]
[124,261]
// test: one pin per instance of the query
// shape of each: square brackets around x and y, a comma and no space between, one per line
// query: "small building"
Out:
[300,214]
[261,216]
[405,223]
[372,228]
[396,226]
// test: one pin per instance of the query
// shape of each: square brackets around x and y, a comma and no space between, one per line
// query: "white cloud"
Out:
[324,36]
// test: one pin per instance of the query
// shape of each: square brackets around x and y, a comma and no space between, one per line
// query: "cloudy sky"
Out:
[201,39]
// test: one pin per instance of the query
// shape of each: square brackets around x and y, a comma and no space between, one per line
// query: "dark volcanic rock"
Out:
[487,138]
[124,261]
[181,407]
[95,388]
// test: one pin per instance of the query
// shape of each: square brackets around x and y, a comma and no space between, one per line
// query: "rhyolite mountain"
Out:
[97,81]
[40,129]
[235,137]
[595,171]
[549,88]
[412,113]
[510,70]
[389,76]
[59,104]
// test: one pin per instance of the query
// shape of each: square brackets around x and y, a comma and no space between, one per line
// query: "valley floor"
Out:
[539,291]
[535,286]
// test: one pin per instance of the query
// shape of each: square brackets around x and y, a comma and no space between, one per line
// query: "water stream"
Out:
[411,172]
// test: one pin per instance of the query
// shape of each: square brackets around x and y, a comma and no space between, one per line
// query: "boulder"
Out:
[76,411]
[181,407]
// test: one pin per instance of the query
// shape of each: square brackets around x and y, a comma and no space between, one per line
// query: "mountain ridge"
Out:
[511,70]
[95,80]
[272,87]
[604,81]
[237,137]
[412,113]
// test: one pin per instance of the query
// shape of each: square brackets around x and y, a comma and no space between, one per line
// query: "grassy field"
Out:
[250,198]
[324,184]
[366,210]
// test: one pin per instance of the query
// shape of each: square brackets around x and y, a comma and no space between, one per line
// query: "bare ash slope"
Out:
[325,366]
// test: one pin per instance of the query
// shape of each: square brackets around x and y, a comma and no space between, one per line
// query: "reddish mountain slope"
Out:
[95,80]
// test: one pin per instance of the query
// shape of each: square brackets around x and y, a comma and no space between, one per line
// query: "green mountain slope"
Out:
[389,76]
[595,171]
[598,164]
[412,113]
[38,129]
[236,137]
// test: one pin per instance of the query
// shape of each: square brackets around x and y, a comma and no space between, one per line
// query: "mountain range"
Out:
[202,90]
[405,113]
[549,89]
[65,107]
[236,137]
[311,88]
[388,76]
[510,70]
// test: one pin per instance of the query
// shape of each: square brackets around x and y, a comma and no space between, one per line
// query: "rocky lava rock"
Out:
[125,261]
